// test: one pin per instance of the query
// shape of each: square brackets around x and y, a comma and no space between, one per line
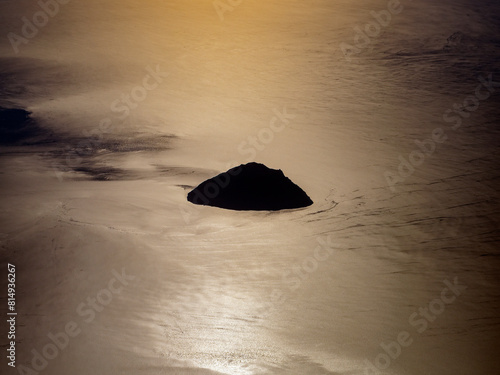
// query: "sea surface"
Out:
[390,126]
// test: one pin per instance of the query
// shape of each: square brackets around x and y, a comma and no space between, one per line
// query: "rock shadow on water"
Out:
[251,186]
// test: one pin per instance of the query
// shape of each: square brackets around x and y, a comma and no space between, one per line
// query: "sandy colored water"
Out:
[105,240]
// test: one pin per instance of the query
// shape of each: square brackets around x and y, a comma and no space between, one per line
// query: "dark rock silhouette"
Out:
[251,186]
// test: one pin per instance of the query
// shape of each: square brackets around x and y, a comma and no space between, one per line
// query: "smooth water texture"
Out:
[139,102]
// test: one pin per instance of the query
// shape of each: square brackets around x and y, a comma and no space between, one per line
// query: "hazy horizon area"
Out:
[384,112]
